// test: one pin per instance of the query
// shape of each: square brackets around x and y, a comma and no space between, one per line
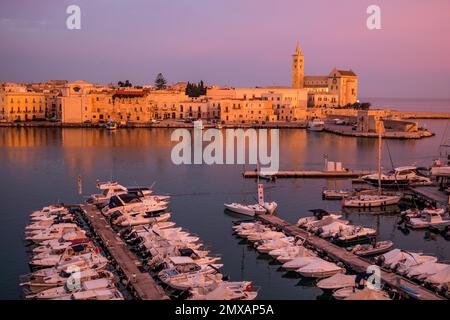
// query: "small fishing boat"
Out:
[372,249]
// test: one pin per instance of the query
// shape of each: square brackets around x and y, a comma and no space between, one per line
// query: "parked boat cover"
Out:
[368,294]
[339,280]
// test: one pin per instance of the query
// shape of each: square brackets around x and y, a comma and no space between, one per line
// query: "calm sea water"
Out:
[402,104]
[40,166]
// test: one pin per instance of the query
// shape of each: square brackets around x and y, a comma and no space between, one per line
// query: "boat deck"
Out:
[311,174]
[142,283]
[403,285]
[432,194]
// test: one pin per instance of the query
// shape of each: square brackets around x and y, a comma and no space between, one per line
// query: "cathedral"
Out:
[338,88]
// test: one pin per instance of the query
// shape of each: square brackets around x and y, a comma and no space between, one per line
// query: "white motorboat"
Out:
[268,235]
[399,259]
[278,243]
[108,189]
[333,229]
[37,284]
[130,219]
[319,269]
[261,207]
[50,210]
[318,215]
[402,176]
[337,281]
[425,270]
[67,290]
[429,219]
[65,233]
[351,293]
[225,291]
[299,262]
[50,260]
[356,232]
[53,227]
[316,124]
[131,202]
[441,278]
[416,213]
[248,210]
[96,294]
[185,281]
[290,254]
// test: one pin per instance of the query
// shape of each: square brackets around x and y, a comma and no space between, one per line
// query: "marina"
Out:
[141,282]
[404,286]
[290,194]
[310,174]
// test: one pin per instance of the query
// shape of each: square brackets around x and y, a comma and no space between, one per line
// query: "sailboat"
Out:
[378,200]
[250,210]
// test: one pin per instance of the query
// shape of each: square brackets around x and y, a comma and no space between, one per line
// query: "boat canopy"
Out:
[181,260]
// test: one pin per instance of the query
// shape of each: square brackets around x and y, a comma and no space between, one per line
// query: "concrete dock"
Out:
[432,195]
[353,262]
[311,174]
[142,283]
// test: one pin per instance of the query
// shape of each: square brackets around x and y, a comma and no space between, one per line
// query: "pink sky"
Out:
[233,42]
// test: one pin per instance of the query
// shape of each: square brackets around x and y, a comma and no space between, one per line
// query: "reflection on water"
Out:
[41,166]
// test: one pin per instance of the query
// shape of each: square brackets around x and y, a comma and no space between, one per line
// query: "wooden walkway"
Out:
[142,283]
[311,174]
[432,194]
[403,285]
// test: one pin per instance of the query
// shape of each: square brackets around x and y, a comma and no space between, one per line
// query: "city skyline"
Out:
[233,44]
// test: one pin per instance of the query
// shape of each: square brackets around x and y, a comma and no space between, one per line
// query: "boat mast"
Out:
[379,161]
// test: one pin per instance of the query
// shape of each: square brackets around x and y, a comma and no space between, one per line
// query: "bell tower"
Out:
[298,71]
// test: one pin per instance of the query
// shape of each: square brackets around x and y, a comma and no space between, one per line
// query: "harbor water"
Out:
[40,166]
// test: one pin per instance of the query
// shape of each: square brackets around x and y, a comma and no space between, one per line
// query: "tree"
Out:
[127,83]
[160,82]
[195,90]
